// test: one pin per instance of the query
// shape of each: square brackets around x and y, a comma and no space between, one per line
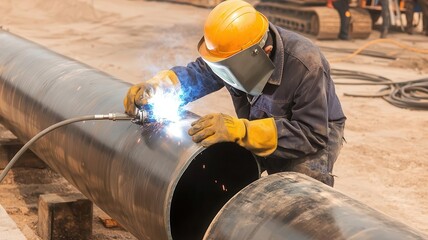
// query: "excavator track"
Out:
[321,22]
[361,23]
[318,21]
[309,17]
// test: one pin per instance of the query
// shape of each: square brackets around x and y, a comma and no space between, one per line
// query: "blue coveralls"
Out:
[300,96]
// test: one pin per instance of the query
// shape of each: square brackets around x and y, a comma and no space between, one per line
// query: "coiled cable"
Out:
[405,94]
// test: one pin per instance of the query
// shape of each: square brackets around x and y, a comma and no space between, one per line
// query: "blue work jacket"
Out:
[300,94]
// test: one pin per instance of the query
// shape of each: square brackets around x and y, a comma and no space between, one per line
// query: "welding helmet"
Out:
[232,46]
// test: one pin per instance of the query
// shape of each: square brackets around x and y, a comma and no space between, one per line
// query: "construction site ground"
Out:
[384,162]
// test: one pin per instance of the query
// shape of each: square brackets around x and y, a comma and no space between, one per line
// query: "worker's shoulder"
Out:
[302,49]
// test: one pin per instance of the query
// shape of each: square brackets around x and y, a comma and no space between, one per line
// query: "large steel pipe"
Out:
[152,179]
[295,206]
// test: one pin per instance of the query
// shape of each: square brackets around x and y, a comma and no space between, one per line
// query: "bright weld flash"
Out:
[165,106]
[174,129]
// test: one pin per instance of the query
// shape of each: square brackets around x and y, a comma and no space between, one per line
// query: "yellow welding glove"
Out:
[258,136]
[139,94]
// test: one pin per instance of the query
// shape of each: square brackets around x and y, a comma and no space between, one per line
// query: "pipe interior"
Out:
[211,179]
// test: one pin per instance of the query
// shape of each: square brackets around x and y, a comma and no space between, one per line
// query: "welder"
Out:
[289,115]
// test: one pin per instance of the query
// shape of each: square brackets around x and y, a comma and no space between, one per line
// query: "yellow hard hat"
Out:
[232,26]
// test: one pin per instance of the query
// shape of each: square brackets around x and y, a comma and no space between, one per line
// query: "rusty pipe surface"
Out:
[152,179]
[295,206]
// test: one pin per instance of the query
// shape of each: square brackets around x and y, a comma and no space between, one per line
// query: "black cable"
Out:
[405,94]
[110,116]
[370,53]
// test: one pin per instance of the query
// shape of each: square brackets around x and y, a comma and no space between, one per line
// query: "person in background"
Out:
[342,6]
[386,19]
[410,10]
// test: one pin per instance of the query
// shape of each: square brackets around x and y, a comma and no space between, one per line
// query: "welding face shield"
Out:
[248,70]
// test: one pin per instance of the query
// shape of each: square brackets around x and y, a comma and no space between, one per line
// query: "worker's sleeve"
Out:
[306,131]
[197,80]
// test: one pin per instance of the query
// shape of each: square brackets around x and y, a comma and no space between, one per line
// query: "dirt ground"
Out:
[384,163]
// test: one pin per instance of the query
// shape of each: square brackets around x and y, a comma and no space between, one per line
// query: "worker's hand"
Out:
[140,94]
[258,136]
[330,4]
[218,127]
[129,100]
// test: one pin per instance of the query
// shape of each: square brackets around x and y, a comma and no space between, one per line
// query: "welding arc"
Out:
[405,94]
[110,116]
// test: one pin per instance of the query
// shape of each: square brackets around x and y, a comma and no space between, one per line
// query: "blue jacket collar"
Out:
[278,60]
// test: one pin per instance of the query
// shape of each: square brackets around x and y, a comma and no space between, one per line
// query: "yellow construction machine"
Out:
[314,18]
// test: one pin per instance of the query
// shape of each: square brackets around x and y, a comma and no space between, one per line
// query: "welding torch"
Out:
[143,114]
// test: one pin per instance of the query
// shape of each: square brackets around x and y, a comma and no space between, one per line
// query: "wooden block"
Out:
[64,217]
[9,147]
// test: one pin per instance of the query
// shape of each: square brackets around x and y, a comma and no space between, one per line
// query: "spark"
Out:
[174,129]
[165,106]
